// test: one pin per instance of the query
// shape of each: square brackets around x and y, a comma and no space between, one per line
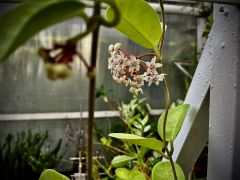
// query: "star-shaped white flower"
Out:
[134,64]
[156,78]
[152,66]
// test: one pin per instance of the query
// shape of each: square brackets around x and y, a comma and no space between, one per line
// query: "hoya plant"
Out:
[133,71]
[139,22]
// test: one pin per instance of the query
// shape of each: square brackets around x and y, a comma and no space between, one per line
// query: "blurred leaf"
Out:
[150,143]
[105,141]
[122,173]
[50,174]
[145,120]
[145,30]
[175,119]
[17,26]
[121,160]
[102,92]
[163,171]
[136,175]
[147,128]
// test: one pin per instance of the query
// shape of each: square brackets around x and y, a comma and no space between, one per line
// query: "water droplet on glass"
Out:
[222,44]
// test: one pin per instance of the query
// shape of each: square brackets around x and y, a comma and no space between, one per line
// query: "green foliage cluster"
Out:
[175,119]
[128,157]
[26,156]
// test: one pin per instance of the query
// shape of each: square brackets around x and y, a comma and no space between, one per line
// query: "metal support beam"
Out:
[218,67]
[224,127]
[193,135]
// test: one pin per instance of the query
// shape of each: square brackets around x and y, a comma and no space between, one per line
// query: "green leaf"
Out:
[145,30]
[50,174]
[147,128]
[150,143]
[122,173]
[17,26]
[145,120]
[163,171]
[136,175]
[121,160]
[175,119]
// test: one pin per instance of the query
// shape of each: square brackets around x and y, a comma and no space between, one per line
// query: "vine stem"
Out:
[166,91]
[91,98]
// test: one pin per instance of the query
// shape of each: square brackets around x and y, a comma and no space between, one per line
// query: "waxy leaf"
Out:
[136,175]
[121,160]
[163,171]
[122,173]
[125,174]
[17,26]
[150,143]
[139,22]
[175,119]
[50,174]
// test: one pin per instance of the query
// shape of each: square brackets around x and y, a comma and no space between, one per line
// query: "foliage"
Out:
[163,171]
[29,18]
[136,116]
[170,122]
[208,26]
[50,174]
[146,30]
[175,119]
[128,157]
[174,123]
[26,156]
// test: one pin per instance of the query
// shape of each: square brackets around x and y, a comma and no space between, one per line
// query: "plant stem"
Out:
[173,168]
[145,54]
[92,79]
[166,92]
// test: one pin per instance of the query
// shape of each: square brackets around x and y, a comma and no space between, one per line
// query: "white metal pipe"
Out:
[64,115]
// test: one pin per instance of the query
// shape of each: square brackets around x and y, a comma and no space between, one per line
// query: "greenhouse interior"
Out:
[119,89]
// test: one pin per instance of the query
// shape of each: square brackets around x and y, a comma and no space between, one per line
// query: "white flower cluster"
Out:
[125,69]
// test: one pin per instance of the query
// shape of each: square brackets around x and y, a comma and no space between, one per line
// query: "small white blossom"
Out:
[134,64]
[125,69]
[155,78]
[117,46]
[135,90]
[135,84]
[152,66]
[139,79]
[110,48]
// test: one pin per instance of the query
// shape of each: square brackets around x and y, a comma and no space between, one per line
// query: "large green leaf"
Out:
[50,174]
[139,22]
[121,160]
[150,143]
[163,171]
[175,119]
[17,26]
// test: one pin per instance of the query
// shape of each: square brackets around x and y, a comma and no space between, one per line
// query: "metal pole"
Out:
[224,122]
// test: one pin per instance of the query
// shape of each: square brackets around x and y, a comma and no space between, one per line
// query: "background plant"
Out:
[27,154]
[125,157]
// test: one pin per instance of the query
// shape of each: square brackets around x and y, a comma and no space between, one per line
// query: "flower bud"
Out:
[110,48]
[117,46]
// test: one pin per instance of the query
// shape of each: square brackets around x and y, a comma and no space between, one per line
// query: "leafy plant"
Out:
[26,156]
[128,157]
[170,122]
